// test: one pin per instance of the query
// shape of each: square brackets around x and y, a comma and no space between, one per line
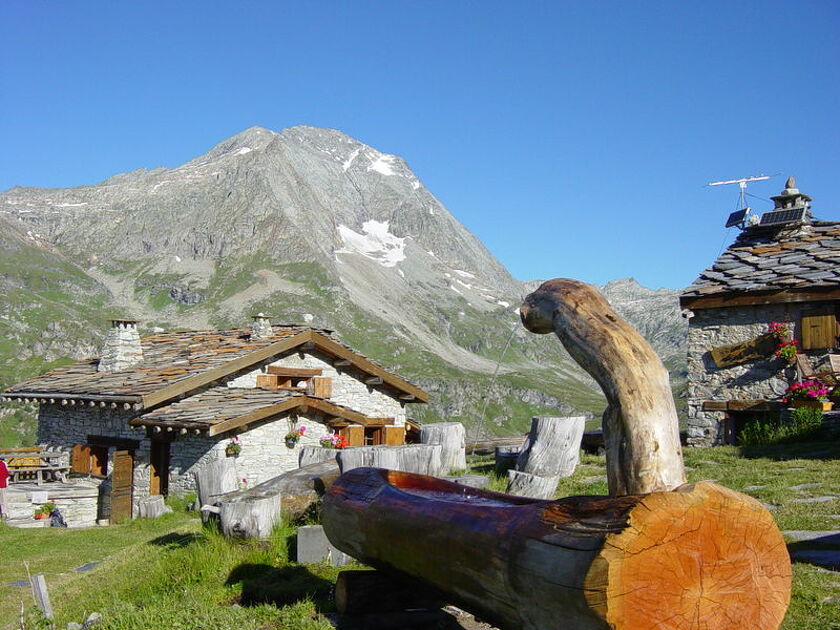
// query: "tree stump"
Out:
[551,451]
[212,480]
[505,458]
[244,516]
[423,459]
[315,455]
[152,507]
[451,437]
[641,430]
[701,557]
[522,484]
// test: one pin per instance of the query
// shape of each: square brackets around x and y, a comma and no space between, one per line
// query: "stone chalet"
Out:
[149,412]
[785,272]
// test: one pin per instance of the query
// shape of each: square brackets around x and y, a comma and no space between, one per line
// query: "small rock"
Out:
[689,468]
[803,486]
[749,488]
[708,462]
[813,499]
[74,626]
[831,600]
[831,537]
[93,619]
[769,506]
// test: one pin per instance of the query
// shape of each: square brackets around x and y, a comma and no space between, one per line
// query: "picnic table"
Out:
[35,464]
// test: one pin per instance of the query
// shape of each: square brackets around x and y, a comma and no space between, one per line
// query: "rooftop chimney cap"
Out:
[261,328]
[116,321]
[790,197]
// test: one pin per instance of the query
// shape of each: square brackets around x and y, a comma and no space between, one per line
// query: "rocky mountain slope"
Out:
[309,225]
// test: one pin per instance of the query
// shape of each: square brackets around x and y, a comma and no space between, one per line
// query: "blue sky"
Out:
[573,139]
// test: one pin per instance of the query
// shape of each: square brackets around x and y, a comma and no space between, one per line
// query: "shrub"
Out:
[802,424]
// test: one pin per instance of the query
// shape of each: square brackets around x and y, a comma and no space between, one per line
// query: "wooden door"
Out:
[122,484]
[159,469]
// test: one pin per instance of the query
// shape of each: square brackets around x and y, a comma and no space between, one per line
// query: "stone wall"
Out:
[264,453]
[60,427]
[765,379]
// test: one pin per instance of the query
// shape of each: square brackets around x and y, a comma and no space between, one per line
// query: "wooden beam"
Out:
[740,405]
[281,370]
[204,378]
[340,352]
[342,363]
[407,397]
[254,416]
[302,403]
[760,298]
[66,398]
[373,380]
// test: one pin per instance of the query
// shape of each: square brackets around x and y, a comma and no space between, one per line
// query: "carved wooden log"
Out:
[247,516]
[701,557]
[451,437]
[641,431]
[213,479]
[295,491]
[423,459]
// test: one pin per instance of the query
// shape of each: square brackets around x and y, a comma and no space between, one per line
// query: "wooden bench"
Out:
[34,464]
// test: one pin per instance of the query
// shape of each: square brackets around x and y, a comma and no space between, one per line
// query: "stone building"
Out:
[148,413]
[783,268]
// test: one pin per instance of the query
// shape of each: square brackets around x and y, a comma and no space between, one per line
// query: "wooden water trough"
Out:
[699,557]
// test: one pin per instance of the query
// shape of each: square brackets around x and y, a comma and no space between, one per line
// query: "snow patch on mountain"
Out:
[383,164]
[376,243]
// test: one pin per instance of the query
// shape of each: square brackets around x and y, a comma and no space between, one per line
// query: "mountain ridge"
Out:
[309,224]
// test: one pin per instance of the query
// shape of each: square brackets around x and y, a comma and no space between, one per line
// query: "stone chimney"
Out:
[261,327]
[791,198]
[122,347]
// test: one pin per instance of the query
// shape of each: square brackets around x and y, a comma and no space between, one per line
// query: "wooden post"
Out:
[315,455]
[641,430]
[451,438]
[41,594]
[701,557]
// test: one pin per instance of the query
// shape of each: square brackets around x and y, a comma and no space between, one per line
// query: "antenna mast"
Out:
[740,215]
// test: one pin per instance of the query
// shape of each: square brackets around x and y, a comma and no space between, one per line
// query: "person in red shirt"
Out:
[4,481]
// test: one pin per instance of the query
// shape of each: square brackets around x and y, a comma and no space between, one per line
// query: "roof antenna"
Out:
[739,217]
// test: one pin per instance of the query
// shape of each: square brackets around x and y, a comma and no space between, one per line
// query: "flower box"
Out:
[814,404]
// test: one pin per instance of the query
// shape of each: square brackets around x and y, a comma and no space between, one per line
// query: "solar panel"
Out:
[779,217]
[737,217]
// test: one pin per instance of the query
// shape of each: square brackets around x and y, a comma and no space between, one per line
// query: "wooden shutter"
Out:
[320,386]
[394,436]
[80,459]
[355,434]
[818,329]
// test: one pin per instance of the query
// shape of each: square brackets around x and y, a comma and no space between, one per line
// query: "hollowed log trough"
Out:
[698,557]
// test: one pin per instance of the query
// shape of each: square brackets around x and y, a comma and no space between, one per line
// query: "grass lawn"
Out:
[171,573]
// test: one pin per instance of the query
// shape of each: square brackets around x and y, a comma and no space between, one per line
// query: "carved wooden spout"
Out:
[641,430]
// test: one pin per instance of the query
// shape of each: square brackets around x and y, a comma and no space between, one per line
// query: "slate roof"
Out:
[221,408]
[763,259]
[215,405]
[167,358]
